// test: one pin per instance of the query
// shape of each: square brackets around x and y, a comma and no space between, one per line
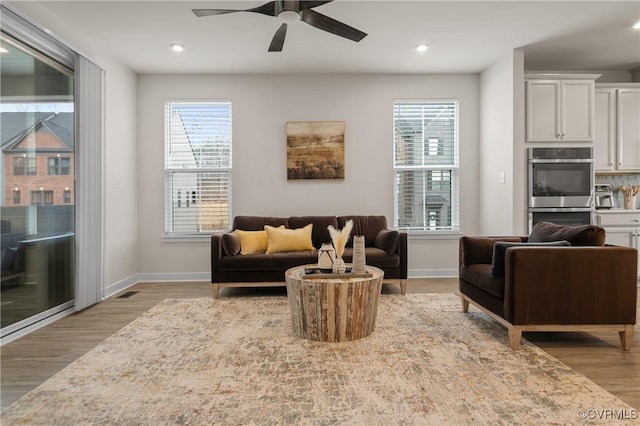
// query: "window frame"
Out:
[58,167]
[428,150]
[188,200]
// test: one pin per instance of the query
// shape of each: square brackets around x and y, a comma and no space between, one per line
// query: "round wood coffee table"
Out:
[333,309]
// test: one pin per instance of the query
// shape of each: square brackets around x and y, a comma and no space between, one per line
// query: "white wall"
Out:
[120,146]
[503,205]
[261,107]
[496,148]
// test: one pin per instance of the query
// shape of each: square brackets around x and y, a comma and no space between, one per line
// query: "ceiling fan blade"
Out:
[208,12]
[278,39]
[325,23]
[311,4]
[265,9]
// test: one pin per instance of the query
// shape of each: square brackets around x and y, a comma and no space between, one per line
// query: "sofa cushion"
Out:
[500,250]
[369,226]
[284,240]
[231,243]
[267,262]
[320,233]
[374,257]
[257,223]
[479,276]
[580,235]
[387,240]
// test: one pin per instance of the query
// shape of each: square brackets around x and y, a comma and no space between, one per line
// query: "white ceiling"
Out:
[462,36]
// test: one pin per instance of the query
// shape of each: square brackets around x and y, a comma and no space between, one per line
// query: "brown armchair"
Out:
[584,287]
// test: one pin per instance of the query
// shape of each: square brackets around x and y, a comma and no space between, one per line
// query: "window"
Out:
[41,198]
[197,166]
[17,197]
[24,166]
[59,166]
[66,196]
[426,165]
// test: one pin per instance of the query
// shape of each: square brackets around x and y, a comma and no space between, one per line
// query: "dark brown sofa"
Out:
[585,287]
[384,248]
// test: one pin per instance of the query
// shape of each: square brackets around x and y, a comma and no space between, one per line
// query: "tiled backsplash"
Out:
[618,180]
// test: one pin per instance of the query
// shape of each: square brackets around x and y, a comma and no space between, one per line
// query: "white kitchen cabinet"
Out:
[617,121]
[622,228]
[560,108]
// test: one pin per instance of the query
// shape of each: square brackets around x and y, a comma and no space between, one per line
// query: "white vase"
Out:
[339,267]
[359,260]
[326,256]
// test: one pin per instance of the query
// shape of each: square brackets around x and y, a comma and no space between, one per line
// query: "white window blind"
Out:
[197,166]
[426,165]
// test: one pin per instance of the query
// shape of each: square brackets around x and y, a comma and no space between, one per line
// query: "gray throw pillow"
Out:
[578,235]
[500,250]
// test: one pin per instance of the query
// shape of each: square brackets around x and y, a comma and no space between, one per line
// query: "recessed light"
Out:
[636,26]
[177,47]
[422,47]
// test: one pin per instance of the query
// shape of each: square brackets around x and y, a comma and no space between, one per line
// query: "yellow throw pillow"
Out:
[289,239]
[252,242]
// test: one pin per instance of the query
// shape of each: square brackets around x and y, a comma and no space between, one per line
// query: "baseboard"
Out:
[175,277]
[117,287]
[432,273]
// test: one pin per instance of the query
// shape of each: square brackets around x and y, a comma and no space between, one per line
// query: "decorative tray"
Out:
[326,273]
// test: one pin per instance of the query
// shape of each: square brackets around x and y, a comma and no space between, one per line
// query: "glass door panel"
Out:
[37,184]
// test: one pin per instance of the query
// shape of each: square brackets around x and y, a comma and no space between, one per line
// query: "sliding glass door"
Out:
[37,184]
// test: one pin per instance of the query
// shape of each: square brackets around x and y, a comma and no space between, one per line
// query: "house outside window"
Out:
[198,166]
[24,166]
[426,165]
[59,166]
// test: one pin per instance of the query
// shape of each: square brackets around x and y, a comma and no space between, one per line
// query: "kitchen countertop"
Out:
[618,210]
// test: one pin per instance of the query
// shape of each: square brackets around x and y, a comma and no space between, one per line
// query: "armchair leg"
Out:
[626,337]
[515,334]
[403,286]
[465,304]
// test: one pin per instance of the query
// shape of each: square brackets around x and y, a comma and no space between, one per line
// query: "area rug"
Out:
[236,362]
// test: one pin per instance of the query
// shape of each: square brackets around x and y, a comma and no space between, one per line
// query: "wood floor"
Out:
[31,360]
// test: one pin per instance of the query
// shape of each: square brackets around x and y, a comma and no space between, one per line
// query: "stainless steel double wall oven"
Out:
[561,182]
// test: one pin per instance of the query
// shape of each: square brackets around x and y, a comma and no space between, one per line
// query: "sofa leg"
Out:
[515,334]
[465,304]
[626,337]
[403,287]
[216,290]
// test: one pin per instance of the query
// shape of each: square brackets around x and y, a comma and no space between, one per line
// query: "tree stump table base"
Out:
[333,309]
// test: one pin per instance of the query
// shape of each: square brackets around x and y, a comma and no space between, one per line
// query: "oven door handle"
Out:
[559,160]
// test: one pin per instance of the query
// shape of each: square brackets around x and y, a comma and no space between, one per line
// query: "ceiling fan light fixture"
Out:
[177,47]
[422,47]
[289,16]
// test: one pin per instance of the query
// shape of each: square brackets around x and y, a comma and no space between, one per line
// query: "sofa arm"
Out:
[216,254]
[479,250]
[403,254]
[570,285]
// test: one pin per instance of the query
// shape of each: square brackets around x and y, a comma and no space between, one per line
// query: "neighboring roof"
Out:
[14,126]
[435,200]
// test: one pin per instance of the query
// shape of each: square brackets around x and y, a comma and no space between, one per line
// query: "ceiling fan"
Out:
[290,11]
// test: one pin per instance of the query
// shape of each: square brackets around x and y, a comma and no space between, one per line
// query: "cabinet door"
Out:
[605,132]
[543,111]
[577,111]
[628,129]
